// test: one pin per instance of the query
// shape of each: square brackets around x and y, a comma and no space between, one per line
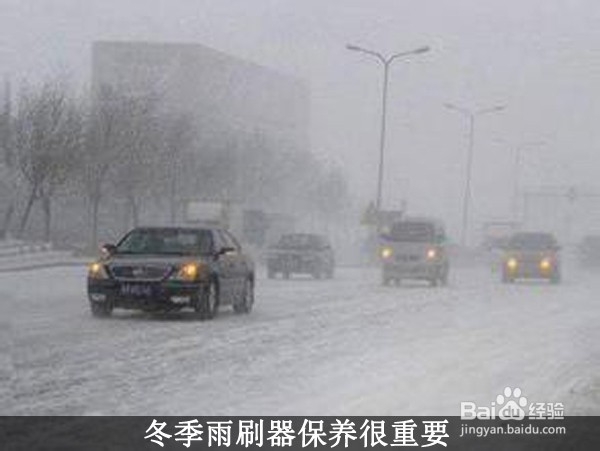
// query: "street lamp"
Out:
[517,173]
[471,115]
[386,62]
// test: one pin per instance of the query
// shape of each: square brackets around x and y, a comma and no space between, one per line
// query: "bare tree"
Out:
[137,168]
[178,137]
[9,181]
[47,140]
[106,139]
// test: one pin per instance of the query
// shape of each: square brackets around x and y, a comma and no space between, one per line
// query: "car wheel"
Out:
[434,282]
[385,281]
[555,279]
[286,275]
[206,304]
[445,276]
[507,279]
[101,309]
[247,301]
[270,274]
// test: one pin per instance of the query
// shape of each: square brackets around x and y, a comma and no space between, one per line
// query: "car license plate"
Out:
[136,290]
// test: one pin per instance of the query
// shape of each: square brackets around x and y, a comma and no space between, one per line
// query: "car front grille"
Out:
[139,272]
[406,258]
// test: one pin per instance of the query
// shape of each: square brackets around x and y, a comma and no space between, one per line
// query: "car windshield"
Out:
[411,231]
[298,241]
[166,242]
[532,241]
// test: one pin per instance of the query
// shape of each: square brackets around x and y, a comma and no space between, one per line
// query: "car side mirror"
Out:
[108,249]
[225,250]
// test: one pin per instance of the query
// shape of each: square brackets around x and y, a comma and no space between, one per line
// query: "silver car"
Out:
[415,249]
[531,255]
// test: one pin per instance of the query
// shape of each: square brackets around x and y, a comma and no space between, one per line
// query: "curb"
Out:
[34,266]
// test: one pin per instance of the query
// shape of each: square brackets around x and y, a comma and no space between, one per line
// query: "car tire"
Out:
[206,304]
[247,301]
[507,279]
[286,275]
[445,276]
[101,309]
[555,279]
[271,273]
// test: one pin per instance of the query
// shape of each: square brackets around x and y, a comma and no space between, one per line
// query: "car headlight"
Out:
[97,270]
[386,252]
[431,254]
[188,272]
[545,264]
[512,263]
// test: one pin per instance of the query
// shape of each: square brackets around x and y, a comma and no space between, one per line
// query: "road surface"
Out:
[348,346]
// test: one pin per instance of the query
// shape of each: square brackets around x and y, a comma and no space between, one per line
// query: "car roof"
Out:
[594,237]
[531,234]
[421,220]
[180,228]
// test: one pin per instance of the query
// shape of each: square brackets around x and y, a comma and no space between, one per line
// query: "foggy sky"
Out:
[539,58]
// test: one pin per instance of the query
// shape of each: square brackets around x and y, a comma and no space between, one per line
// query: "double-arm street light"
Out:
[517,173]
[386,61]
[471,115]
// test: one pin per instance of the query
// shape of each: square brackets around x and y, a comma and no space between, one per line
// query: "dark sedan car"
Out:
[301,253]
[170,268]
[589,251]
[531,255]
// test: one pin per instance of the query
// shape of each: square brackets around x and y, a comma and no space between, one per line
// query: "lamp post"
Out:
[471,115]
[517,174]
[386,61]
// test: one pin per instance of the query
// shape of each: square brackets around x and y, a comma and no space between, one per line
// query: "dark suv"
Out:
[531,255]
[303,253]
[170,268]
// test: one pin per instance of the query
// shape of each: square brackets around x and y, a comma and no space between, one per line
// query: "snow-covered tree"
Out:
[48,140]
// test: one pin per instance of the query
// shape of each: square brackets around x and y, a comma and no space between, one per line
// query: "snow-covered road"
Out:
[343,347]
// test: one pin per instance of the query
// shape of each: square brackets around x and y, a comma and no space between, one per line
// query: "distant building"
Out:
[217,89]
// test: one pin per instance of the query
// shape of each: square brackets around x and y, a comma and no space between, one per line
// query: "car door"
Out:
[325,253]
[224,268]
[330,255]
[239,268]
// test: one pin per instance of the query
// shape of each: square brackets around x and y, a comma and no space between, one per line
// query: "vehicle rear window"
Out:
[299,241]
[412,231]
[532,241]
[166,241]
